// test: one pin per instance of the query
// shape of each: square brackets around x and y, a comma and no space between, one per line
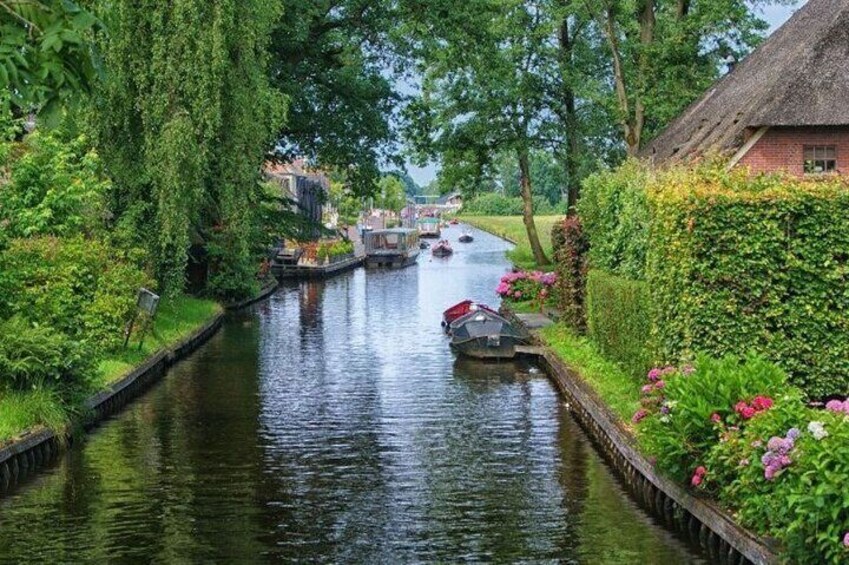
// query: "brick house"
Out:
[784,108]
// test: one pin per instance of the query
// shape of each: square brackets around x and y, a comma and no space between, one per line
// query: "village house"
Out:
[784,108]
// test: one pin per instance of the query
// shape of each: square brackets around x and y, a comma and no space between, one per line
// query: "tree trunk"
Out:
[629,130]
[573,147]
[528,209]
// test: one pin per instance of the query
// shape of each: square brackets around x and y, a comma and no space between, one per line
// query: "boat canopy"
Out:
[396,240]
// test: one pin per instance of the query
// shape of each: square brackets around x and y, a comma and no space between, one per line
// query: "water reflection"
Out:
[332,424]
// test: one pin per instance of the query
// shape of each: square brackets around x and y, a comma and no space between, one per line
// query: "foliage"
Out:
[37,356]
[333,249]
[752,263]
[81,287]
[571,245]
[45,58]
[390,194]
[494,204]
[619,319]
[615,214]
[330,58]
[183,118]
[54,185]
[689,408]
[23,410]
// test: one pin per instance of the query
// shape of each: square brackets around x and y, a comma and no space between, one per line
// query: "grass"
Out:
[176,319]
[513,229]
[619,390]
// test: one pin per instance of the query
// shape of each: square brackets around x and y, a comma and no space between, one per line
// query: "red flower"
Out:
[696,480]
[715,418]
[762,403]
[748,412]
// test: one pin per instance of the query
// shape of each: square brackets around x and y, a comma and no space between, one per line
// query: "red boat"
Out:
[454,222]
[461,309]
[442,249]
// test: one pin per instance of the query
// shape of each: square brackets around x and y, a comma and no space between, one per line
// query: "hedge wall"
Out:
[619,320]
[738,263]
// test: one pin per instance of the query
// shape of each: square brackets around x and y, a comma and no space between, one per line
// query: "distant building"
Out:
[785,107]
[306,188]
[451,200]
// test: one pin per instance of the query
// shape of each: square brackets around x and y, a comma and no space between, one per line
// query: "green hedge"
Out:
[615,215]
[493,204]
[618,319]
[739,264]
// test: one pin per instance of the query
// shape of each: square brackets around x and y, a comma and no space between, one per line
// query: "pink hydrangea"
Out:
[715,418]
[639,415]
[838,406]
[654,374]
[846,540]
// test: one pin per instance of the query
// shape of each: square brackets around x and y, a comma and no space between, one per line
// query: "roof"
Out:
[405,231]
[446,197]
[797,77]
[297,168]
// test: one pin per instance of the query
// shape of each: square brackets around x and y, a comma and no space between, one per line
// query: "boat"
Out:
[442,249]
[429,227]
[466,238]
[424,245]
[454,221]
[483,334]
[461,309]
[392,248]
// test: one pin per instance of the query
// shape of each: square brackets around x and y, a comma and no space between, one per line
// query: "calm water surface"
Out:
[333,424]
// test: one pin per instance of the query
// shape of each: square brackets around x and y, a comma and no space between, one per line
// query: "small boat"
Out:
[483,334]
[454,221]
[466,238]
[461,309]
[424,245]
[429,227]
[442,249]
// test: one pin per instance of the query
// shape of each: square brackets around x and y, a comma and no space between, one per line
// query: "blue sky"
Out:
[775,15]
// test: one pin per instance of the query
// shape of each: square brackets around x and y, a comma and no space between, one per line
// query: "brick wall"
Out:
[781,149]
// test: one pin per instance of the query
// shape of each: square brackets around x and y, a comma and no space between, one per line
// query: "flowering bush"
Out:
[523,286]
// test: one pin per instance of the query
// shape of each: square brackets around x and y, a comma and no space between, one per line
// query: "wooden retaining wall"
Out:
[37,449]
[696,519]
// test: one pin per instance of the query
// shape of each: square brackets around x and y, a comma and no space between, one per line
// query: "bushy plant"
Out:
[570,246]
[81,287]
[686,410]
[33,356]
[494,204]
[753,263]
[615,215]
[525,286]
[619,320]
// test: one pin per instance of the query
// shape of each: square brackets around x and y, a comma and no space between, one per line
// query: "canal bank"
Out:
[332,423]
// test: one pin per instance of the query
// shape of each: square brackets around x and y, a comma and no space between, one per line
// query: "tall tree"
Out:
[184,117]
[330,57]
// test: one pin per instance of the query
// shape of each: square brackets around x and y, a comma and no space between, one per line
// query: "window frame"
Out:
[811,156]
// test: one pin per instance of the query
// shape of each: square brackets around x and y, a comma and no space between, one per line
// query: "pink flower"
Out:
[696,480]
[748,412]
[740,406]
[846,540]
[701,471]
[646,389]
[715,418]
[688,370]
[654,374]
[639,415]
[834,406]
[517,294]
[659,384]
[761,403]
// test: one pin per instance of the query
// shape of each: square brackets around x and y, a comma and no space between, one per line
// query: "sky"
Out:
[775,15]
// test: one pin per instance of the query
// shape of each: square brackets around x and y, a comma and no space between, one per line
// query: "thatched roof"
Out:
[797,77]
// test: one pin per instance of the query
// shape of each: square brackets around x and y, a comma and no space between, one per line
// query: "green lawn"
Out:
[512,228]
[620,391]
[176,320]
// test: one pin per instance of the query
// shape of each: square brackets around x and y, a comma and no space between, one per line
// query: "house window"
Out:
[820,159]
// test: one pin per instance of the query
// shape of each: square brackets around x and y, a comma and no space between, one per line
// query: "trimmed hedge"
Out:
[739,263]
[619,319]
[615,215]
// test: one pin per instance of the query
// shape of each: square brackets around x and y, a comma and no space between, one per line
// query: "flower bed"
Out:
[528,288]
[740,433]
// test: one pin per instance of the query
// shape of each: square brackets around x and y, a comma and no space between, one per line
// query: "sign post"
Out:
[146,305]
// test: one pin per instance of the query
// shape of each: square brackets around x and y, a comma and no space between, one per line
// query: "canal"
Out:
[331,423]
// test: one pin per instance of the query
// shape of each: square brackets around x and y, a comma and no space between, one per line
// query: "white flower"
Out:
[817,430]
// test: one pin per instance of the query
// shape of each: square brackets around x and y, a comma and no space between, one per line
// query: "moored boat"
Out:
[429,227]
[392,248]
[483,334]
[461,309]
[466,238]
[442,249]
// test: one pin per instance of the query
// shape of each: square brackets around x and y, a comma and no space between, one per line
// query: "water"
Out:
[332,424]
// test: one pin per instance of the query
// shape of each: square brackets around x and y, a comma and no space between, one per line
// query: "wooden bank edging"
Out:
[266,291]
[35,449]
[717,532]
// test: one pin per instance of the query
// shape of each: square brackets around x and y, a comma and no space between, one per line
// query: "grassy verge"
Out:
[614,385]
[176,319]
[513,229]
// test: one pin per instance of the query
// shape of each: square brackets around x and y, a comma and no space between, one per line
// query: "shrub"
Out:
[753,263]
[39,356]
[81,287]
[523,286]
[618,320]
[686,410]
[570,258]
[615,215]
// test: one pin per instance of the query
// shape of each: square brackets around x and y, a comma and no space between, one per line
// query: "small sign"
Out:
[148,302]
